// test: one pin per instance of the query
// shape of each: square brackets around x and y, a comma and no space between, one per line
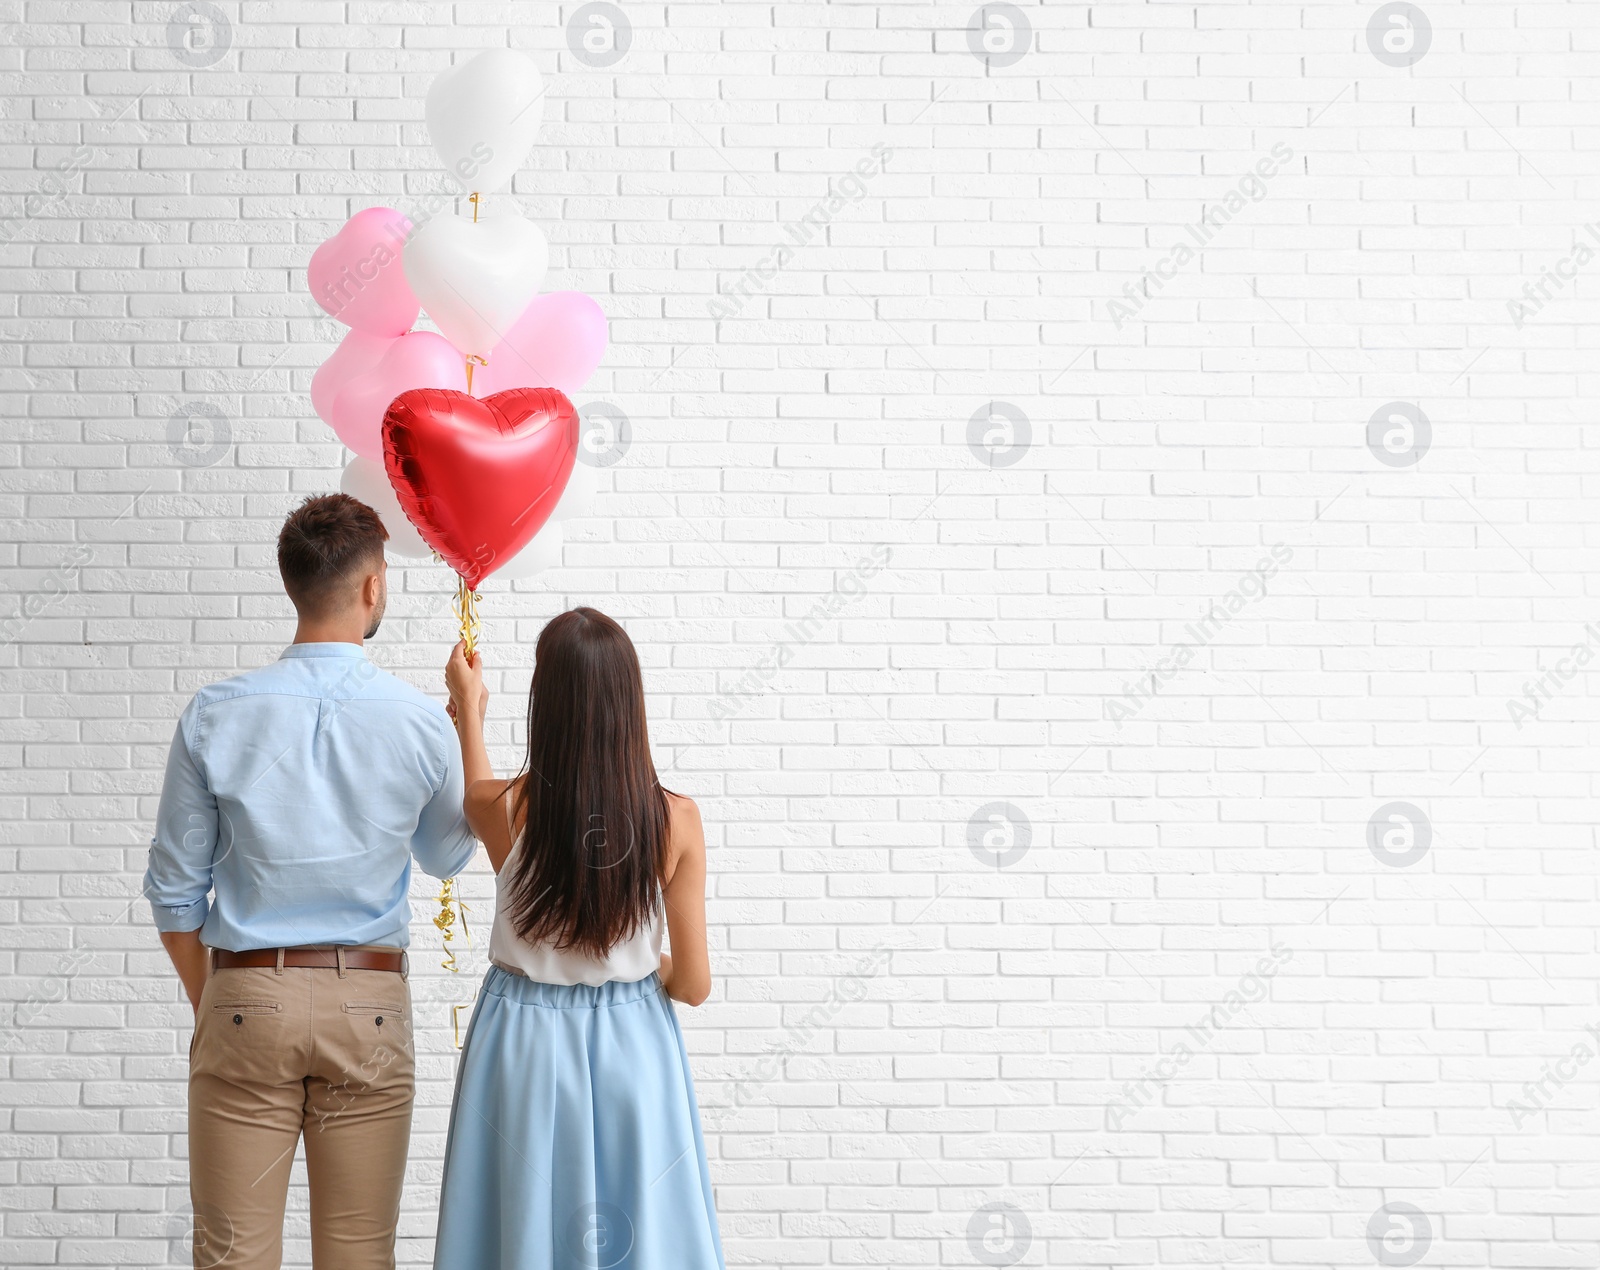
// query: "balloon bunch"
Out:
[464,440]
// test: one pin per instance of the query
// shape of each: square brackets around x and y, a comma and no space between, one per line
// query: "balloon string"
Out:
[449,903]
[473,199]
[455,1015]
[445,920]
[466,607]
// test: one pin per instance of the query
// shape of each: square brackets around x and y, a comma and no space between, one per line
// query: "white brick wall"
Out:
[1198,1020]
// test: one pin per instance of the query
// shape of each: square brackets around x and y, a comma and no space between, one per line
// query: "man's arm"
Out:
[192,960]
[178,879]
[443,844]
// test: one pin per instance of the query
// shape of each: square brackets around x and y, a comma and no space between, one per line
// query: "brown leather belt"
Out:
[315,958]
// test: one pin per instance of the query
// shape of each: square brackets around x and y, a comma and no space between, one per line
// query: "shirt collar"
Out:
[330,649]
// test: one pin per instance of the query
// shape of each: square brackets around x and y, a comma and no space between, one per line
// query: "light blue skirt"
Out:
[575,1135]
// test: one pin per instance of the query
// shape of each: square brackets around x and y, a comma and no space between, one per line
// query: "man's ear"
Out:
[372,588]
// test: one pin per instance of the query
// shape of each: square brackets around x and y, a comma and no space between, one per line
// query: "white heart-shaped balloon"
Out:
[475,278]
[482,116]
[366,480]
[578,498]
[544,552]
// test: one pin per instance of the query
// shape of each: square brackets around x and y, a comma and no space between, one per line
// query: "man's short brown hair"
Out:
[327,543]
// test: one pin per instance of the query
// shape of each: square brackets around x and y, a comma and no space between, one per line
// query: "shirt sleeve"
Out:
[443,844]
[178,879]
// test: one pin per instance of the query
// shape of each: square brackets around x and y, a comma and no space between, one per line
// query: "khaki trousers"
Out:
[278,1054]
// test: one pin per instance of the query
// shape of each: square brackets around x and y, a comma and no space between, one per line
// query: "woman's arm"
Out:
[686,974]
[486,813]
[469,703]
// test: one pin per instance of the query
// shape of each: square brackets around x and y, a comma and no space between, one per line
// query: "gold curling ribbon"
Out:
[455,1016]
[445,921]
[471,629]
[475,199]
[449,902]
[466,607]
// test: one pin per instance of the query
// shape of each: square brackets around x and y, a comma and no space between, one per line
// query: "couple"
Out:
[296,797]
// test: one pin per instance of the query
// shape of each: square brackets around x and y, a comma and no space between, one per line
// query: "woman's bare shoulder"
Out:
[686,835]
[681,805]
[488,796]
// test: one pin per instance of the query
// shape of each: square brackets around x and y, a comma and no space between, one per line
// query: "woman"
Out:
[575,1136]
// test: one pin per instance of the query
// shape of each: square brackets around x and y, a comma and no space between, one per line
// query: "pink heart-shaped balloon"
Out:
[357,353]
[357,275]
[419,360]
[556,343]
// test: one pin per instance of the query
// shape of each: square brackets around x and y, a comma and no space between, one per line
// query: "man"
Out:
[300,792]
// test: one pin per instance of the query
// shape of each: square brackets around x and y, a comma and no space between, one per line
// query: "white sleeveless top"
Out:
[637,957]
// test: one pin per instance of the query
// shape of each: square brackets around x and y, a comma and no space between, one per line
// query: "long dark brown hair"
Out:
[595,842]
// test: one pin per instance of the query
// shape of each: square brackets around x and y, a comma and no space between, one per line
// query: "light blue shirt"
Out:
[300,792]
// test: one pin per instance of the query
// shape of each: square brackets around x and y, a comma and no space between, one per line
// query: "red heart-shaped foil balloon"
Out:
[478,477]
